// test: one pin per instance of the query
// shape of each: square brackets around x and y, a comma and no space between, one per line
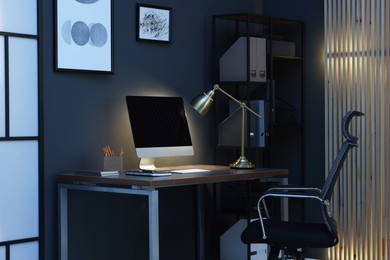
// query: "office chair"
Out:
[292,235]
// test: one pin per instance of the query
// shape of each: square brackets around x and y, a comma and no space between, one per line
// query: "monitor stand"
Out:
[147,164]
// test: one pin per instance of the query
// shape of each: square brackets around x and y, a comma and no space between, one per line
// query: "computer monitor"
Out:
[160,129]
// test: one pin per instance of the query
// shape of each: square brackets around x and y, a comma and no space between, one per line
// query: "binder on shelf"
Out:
[233,65]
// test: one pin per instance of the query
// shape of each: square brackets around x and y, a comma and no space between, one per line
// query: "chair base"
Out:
[287,254]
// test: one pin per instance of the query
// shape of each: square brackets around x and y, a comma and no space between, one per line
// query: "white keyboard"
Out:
[184,171]
[148,173]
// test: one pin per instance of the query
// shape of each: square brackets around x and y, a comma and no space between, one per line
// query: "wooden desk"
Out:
[147,186]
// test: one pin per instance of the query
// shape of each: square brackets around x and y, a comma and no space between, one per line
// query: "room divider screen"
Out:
[19,133]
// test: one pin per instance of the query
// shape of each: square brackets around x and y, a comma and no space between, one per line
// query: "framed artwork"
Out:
[83,32]
[154,23]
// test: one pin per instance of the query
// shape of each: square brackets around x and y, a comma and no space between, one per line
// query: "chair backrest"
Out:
[350,142]
[327,189]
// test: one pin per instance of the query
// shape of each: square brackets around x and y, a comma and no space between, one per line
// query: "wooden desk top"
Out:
[216,174]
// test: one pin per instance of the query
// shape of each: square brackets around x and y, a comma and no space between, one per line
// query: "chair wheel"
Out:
[294,255]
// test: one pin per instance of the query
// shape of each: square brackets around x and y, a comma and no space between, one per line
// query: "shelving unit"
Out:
[241,44]
[281,87]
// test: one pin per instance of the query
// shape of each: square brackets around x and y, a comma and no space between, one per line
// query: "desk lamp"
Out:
[203,103]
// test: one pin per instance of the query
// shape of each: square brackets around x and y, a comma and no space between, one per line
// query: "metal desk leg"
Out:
[63,222]
[201,255]
[63,215]
[153,225]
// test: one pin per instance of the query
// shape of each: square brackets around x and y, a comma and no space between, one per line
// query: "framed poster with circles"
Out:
[83,32]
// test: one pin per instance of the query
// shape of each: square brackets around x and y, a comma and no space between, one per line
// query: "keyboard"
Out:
[190,170]
[148,173]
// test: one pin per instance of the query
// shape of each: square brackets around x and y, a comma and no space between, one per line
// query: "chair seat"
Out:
[289,234]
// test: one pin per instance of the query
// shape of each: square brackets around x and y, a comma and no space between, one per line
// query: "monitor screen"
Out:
[159,126]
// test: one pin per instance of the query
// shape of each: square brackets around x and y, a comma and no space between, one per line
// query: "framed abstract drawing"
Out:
[83,31]
[154,23]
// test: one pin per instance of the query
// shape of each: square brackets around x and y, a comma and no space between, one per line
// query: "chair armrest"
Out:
[287,191]
[294,188]
[293,193]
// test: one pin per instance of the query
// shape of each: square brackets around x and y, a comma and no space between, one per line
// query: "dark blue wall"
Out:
[84,112]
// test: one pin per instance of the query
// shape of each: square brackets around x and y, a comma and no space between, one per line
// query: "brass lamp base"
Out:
[242,163]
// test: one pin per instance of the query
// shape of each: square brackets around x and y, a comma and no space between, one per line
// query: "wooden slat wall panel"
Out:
[357,39]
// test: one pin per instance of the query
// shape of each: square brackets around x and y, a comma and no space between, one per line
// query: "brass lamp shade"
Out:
[203,102]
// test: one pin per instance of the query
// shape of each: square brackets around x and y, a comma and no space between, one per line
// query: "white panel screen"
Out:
[18,190]
[18,16]
[2,88]
[23,84]
[24,251]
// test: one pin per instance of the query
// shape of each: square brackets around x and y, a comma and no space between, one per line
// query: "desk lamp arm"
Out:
[242,104]
[242,162]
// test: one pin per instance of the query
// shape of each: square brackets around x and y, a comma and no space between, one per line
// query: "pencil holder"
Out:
[113,163]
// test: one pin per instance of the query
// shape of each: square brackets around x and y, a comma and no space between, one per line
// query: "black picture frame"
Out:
[84,35]
[154,23]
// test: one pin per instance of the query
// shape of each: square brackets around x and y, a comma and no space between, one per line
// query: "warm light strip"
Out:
[357,44]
